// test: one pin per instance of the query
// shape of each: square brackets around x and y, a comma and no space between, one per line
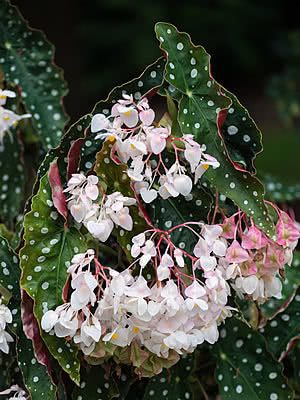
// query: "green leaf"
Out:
[245,369]
[113,178]
[150,80]
[188,70]
[95,385]
[290,285]
[12,185]
[283,330]
[173,384]
[240,134]
[26,58]
[9,279]
[280,192]
[35,375]
[49,247]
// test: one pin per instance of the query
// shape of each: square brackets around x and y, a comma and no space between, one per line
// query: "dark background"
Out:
[101,43]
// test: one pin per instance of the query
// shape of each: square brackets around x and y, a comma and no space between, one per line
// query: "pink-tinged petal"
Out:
[92,191]
[235,253]
[287,233]
[78,212]
[229,228]
[157,143]
[58,196]
[163,272]
[129,116]
[208,263]
[147,116]
[195,290]
[253,239]
[114,110]
[201,248]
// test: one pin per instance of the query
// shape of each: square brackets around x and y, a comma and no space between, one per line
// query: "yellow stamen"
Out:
[127,113]
[115,336]
[111,138]
[2,97]
[205,166]
[6,118]
[136,329]
[132,146]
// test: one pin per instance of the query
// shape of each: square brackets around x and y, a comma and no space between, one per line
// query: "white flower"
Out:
[5,337]
[128,114]
[20,394]
[138,241]
[84,284]
[49,320]
[90,333]
[157,139]
[194,292]
[179,258]
[163,270]
[99,122]
[100,230]
[149,251]
[8,119]
[67,324]
[123,219]
[183,184]
[4,94]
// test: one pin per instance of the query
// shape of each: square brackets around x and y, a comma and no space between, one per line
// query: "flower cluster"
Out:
[5,337]
[140,143]
[126,308]
[256,260]
[174,309]
[16,393]
[99,216]
[7,117]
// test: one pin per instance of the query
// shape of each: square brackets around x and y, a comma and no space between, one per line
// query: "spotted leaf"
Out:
[240,134]
[175,383]
[245,369]
[26,58]
[36,378]
[12,179]
[280,192]
[49,247]
[283,330]
[202,109]
[95,385]
[34,375]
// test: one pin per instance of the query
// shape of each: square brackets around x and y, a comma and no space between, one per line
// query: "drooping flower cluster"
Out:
[99,216]
[126,309]
[15,392]
[256,260]
[7,117]
[141,144]
[174,309]
[5,337]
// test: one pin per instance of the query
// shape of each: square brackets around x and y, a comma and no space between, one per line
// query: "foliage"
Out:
[64,219]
